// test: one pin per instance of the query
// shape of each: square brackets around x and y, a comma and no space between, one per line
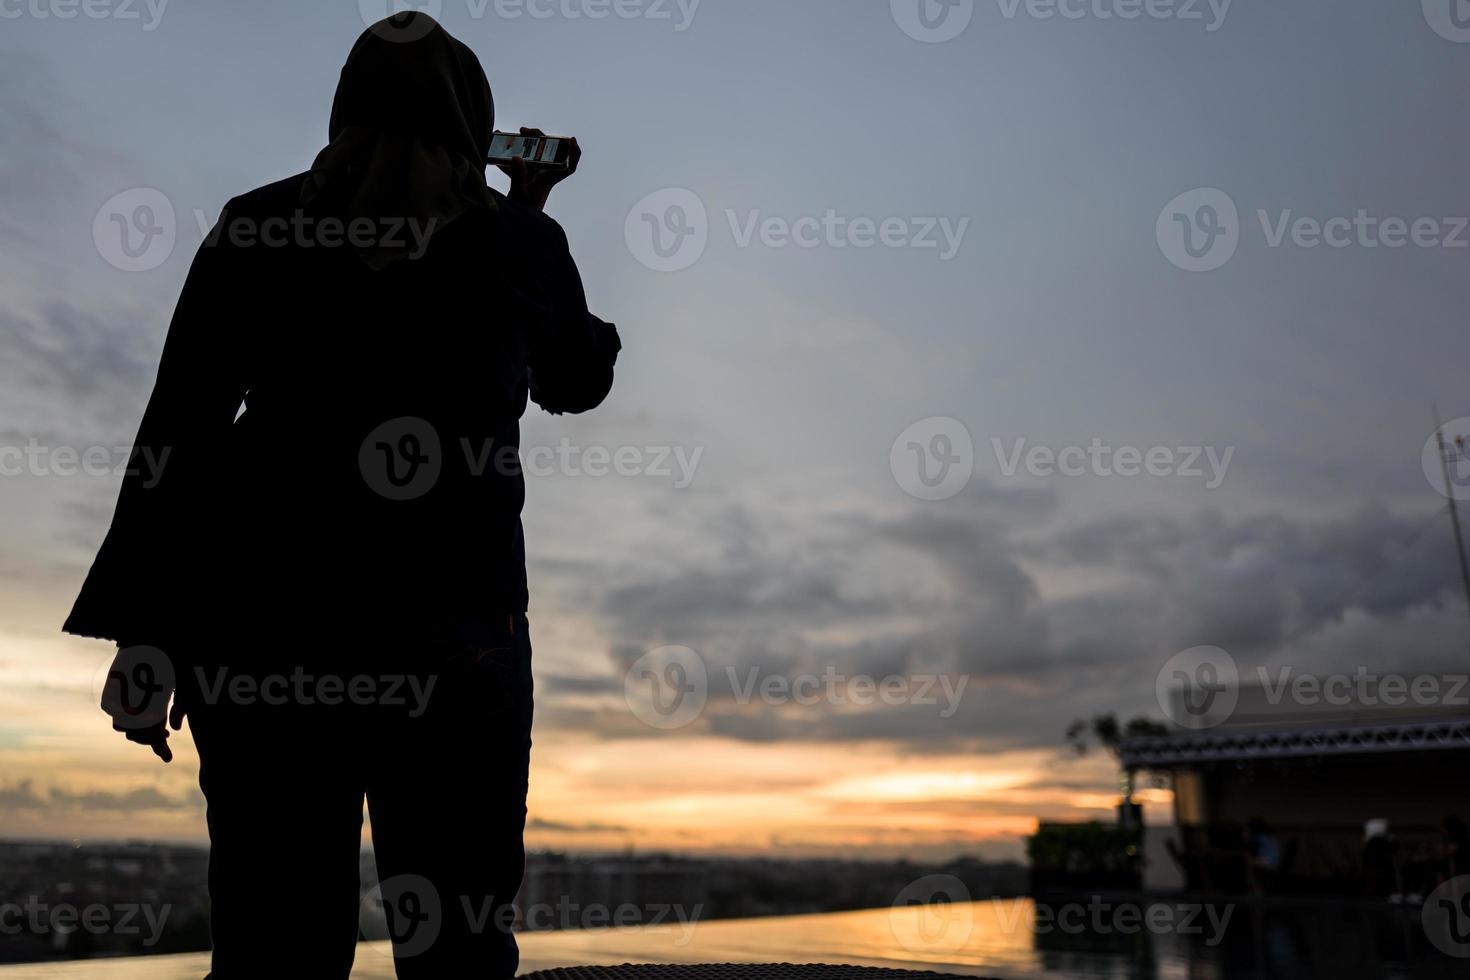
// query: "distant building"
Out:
[1310,789]
[65,899]
[560,892]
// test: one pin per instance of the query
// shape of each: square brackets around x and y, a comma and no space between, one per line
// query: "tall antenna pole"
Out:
[1449,492]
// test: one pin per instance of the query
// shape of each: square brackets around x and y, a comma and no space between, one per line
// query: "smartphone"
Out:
[538,151]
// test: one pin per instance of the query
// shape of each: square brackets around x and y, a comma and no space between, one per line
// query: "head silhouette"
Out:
[408,76]
[410,134]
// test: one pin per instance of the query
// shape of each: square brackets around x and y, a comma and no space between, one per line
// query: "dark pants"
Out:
[441,756]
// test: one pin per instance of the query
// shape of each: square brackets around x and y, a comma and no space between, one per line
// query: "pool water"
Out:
[1012,939]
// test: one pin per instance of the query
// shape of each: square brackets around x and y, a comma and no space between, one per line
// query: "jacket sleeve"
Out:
[136,588]
[571,362]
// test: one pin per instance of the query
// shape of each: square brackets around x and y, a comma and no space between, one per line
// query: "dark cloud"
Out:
[537,823]
[40,164]
[969,600]
[79,376]
[24,796]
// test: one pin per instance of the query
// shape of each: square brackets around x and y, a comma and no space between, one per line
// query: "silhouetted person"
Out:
[333,579]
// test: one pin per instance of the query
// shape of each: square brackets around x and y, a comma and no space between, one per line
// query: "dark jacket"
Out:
[369,491]
[371,479]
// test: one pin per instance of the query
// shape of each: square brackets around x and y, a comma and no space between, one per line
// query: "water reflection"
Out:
[1091,939]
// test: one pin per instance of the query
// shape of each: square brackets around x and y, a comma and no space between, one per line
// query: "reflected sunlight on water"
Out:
[996,938]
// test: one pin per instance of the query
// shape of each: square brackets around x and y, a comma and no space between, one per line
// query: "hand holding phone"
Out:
[535,163]
[532,146]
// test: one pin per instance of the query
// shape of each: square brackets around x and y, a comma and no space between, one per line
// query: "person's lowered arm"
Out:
[130,590]
[150,564]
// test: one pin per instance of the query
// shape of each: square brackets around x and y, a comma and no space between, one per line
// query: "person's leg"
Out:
[447,799]
[285,800]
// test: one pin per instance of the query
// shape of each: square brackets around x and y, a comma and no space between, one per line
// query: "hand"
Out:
[531,186]
[136,697]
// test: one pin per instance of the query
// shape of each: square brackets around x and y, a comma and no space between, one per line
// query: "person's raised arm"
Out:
[572,362]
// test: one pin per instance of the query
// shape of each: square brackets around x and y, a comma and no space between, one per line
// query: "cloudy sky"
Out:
[1013,262]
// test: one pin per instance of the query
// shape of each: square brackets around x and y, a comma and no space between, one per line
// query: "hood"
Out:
[408,75]
[409,137]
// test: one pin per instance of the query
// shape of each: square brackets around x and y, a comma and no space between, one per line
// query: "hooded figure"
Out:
[410,132]
[317,552]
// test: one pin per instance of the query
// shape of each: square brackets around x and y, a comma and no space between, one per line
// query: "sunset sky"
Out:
[1059,319]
